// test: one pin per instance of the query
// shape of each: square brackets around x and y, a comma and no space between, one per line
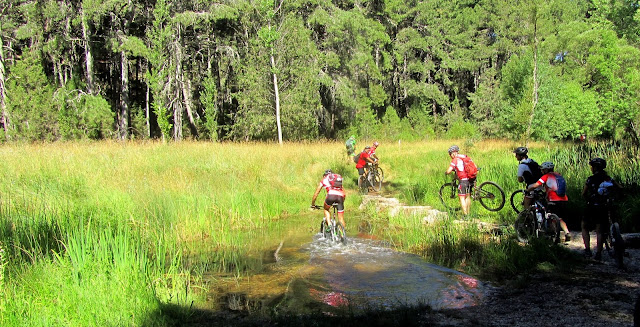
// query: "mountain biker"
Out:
[351,145]
[466,183]
[362,163]
[598,205]
[556,203]
[525,173]
[372,151]
[335,194]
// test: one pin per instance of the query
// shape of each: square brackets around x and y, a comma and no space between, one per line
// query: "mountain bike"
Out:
[517,200]
[613,241]
[490,195]
[332,231]
[537,222]
[373,179]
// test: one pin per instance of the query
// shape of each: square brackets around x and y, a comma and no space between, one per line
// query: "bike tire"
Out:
[363,185]
[517,201]
[341,234]
[381,173]
[491,196]
[525,226]
[617,243]
[449,197]
[375,181]
[556,230]
[324,229]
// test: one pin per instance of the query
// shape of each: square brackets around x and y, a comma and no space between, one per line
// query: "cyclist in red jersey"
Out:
[464,189]
[335,194]
[556,204]
[372,151]
[365,159]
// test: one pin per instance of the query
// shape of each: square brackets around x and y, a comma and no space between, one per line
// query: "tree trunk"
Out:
[87,53]
[3,105]
[124,96]
[277,94]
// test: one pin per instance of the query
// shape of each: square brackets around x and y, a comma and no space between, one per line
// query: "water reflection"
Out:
[366,273]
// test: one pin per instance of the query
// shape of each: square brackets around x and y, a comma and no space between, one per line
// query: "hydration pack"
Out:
[335,180]
[470,167]
[535,174]
[562,185]
[356,158]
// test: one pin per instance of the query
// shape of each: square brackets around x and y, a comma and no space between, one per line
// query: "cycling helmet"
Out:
[547,165]
[327,172]
[521,151]
[598,163]
[454,148]
[376,143]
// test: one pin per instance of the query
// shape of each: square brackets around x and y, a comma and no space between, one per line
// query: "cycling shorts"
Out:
[558,207]
[464,188]
[361,171]
[595,215]
[333,198]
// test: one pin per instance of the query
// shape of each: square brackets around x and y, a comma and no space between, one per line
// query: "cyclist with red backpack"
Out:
[466,172]
[528,172]
[556,189]
[332,183]
[361,160]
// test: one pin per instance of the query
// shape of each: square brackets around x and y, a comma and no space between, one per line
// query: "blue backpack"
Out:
[562,185]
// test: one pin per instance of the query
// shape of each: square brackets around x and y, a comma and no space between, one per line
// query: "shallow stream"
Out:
[315,274]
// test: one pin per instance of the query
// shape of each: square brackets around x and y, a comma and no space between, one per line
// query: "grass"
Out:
[122,234]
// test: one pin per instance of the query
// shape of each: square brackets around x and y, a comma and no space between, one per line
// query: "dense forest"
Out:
[306,69]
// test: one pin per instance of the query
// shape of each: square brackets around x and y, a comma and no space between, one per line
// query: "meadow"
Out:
[129,233]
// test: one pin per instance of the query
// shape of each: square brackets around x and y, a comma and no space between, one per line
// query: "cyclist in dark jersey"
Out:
[596,215]
[525,173]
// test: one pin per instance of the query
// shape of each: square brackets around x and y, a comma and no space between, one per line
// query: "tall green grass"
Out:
[113,234]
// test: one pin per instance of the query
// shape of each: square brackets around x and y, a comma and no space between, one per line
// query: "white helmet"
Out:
[547,165]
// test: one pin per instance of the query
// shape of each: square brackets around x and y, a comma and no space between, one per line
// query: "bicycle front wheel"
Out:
[449,196]
[376,181]
[491,196]
[517,201]
[555,231]
[525,226]
[381,173]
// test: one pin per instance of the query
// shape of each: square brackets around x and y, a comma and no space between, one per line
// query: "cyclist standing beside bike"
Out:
[528,172]
[598,205]
[557,199]
[332,183]
[466,182]
[362,163]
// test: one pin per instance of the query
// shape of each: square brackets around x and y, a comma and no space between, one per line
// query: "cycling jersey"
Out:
[594,198]
[362,162]
[337,191]
[372,152]
[325,183]
[458,166]
[525,172]
[551,186]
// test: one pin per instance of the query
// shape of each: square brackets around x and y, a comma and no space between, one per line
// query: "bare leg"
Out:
[465,203]
[586,238]
[327,214]
[341,219]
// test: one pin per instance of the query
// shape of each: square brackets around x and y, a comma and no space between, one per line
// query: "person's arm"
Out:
[315,195]
[533,186]
[585,189]
[449,170]
[520,179]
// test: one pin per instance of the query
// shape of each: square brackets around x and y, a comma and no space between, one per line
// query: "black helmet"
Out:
[598,163]
[521,151]
[454,148]
[327,172]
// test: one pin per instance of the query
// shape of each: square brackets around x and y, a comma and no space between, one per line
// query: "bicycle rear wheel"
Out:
[617,243]
[555,231]
[491,196]
[341,234]
[525,226]
[449,196]
[517,201]
[375,181]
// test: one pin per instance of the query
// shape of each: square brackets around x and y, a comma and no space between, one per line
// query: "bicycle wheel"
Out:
[525,226]
[555,231]
[491,196]
[381,173]
[363,185]
[341,234]
[449,196]
[375,181]
[517,201]
[324,229]
[617,243]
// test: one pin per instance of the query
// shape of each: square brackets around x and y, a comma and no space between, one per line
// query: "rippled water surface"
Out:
[315,274]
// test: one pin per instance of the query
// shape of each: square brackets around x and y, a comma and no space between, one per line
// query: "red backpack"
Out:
[470,167]
[335,180]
